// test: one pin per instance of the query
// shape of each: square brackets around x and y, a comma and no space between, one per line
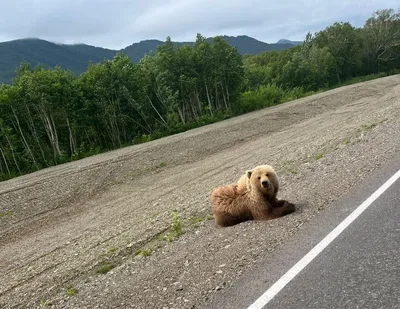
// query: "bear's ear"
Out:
[248,173]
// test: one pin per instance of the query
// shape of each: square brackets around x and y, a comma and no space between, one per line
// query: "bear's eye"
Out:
[258,177]
[267,174]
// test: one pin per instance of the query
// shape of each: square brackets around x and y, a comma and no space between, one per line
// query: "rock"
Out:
[178,286]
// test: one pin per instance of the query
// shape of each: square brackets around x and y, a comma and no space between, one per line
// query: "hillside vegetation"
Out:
[77,57]
[50,116]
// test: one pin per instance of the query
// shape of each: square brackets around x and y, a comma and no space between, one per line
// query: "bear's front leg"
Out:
[225,220]
[284,208]
[279,203]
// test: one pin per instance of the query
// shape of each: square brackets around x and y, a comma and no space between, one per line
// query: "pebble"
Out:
[178,286]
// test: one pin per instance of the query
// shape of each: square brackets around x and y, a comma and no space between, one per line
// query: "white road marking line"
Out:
[298,267]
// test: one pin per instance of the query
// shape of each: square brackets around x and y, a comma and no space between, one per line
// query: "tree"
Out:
[310,68]
[203,54]
[382,38]
[109,93]
[344,45]
[228,71]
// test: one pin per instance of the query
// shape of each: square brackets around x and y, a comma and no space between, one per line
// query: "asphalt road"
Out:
[358,269]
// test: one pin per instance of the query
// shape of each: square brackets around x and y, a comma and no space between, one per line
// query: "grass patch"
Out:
[360,79]
[105,267]
[145,248]
[367,127]
[268,95]
[162,164]
[44,303]
[319,156]
[71,291]
[167,237]
[144,252]
[196,220]
[114,257]
[5,213]
[111,251]
[176,226]
[174,231]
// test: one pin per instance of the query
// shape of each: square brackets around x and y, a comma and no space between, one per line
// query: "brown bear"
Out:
[253,197]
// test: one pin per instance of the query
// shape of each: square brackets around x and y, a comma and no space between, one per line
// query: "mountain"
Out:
[284,41]
[77,57]
[248,45]
[34,51]
[244,44]
[137,50]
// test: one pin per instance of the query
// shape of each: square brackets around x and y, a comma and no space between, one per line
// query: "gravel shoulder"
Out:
[66,223]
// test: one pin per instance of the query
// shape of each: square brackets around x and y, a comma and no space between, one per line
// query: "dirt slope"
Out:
[67,222]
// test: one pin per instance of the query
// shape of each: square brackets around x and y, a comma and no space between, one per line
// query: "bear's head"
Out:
[263,179]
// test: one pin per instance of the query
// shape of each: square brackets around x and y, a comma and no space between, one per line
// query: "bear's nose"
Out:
[265,184]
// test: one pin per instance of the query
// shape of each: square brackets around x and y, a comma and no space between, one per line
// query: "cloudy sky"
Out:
[118,23]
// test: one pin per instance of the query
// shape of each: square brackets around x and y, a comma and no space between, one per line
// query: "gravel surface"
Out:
[67,225]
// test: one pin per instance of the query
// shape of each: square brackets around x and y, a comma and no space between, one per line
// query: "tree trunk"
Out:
[227,94]
[34,132]
[199,105]
[72,142]
[216,96]
[148,129]
[51,134]
[181,115]
[159,97]
[12,150]
[208,99]
[116,126]
[24,140]
[159,115]
[223,95]
[57,144]
[114,123]
[5,161]
[91,143]
[111,129]
[338,77]
[193,105]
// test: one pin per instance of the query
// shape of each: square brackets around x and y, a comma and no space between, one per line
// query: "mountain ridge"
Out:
[286,41]
[76,57]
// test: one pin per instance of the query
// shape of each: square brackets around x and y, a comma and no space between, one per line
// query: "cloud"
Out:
[117,23]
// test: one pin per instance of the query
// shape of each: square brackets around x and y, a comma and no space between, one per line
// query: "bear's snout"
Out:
[265,183]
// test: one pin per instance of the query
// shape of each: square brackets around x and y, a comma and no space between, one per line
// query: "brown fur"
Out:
[253,197]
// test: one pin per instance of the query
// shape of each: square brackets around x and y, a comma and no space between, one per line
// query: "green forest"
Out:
[75,57]
[52,116]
